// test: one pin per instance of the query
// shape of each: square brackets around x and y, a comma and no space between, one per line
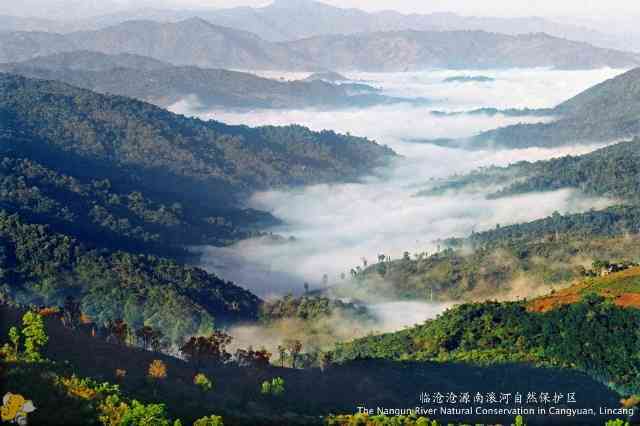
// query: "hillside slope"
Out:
[419,50]
[606,112]
[163,84]
[495,333]
[236,393]
[41,267]
[141,146]
[199,43]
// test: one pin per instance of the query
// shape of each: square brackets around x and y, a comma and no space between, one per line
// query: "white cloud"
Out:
[336,225]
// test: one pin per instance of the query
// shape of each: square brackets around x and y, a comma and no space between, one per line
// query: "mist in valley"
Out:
[329,229]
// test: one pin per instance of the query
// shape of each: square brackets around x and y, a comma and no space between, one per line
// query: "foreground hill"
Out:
[496,333]
[236,389]
[163,84]
[606,112]
[199,43]
[41,267]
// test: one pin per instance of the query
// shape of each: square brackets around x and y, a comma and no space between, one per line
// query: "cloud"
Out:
[335,226]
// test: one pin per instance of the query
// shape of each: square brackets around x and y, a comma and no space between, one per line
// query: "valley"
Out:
[360,218]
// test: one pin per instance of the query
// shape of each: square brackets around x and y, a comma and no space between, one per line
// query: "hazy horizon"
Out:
[617,10]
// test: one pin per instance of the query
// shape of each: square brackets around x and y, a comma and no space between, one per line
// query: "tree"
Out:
[275,387]
[119,331]
[212,348]
[294,347]
[253,358]
[326,358]
[145,336]
[71,313]
[157,372]
[282,352]
[209,421]
[35,335]
[203,383]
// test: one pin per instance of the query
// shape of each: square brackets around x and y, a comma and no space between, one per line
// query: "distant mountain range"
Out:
[286,20]
[416,50]
[164,84]
[200,43]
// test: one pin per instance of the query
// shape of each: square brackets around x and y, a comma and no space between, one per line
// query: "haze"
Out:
[548,8]
[335,226]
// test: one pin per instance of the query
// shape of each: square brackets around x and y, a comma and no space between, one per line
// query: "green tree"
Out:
[140,414]
[35,335]
[275,387]
[209,421]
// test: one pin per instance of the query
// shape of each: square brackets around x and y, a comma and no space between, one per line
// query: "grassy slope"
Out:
[622,288]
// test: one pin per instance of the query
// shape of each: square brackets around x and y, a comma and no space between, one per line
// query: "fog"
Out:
[335,226]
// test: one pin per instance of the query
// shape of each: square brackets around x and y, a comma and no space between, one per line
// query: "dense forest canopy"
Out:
[160,151]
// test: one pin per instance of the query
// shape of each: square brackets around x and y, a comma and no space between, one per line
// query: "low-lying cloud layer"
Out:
[335,226]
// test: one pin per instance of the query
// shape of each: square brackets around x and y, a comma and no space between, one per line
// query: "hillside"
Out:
[610,172]
[509,262]
[495,333]
[606,112]
[236,389]
[197,42]
[621,288]
[164,85]
[285,20]
[141,147]
[190,42]
[419,50]
[41,267]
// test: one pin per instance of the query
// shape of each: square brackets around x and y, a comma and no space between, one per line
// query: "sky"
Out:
[550,8]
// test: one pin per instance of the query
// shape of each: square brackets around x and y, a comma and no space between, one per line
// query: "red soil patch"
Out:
[628,300]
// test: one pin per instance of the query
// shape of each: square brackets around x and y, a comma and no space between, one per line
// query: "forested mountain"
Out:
[77,386]
[496,333]
[44,268]
[200,43]
[88,179]
[606,112]
[142,147]
[418,50]
[163,84]
[611,172]
[512,261]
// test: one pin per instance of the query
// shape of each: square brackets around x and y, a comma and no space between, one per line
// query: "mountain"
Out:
[189,42]
[419,50]
[54,385]
[132,141]
[163,84]
[42,267]
[286,20]
[606,112]
[97,194]
[497,333]
[21,45]
[84,60]
[196,42]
